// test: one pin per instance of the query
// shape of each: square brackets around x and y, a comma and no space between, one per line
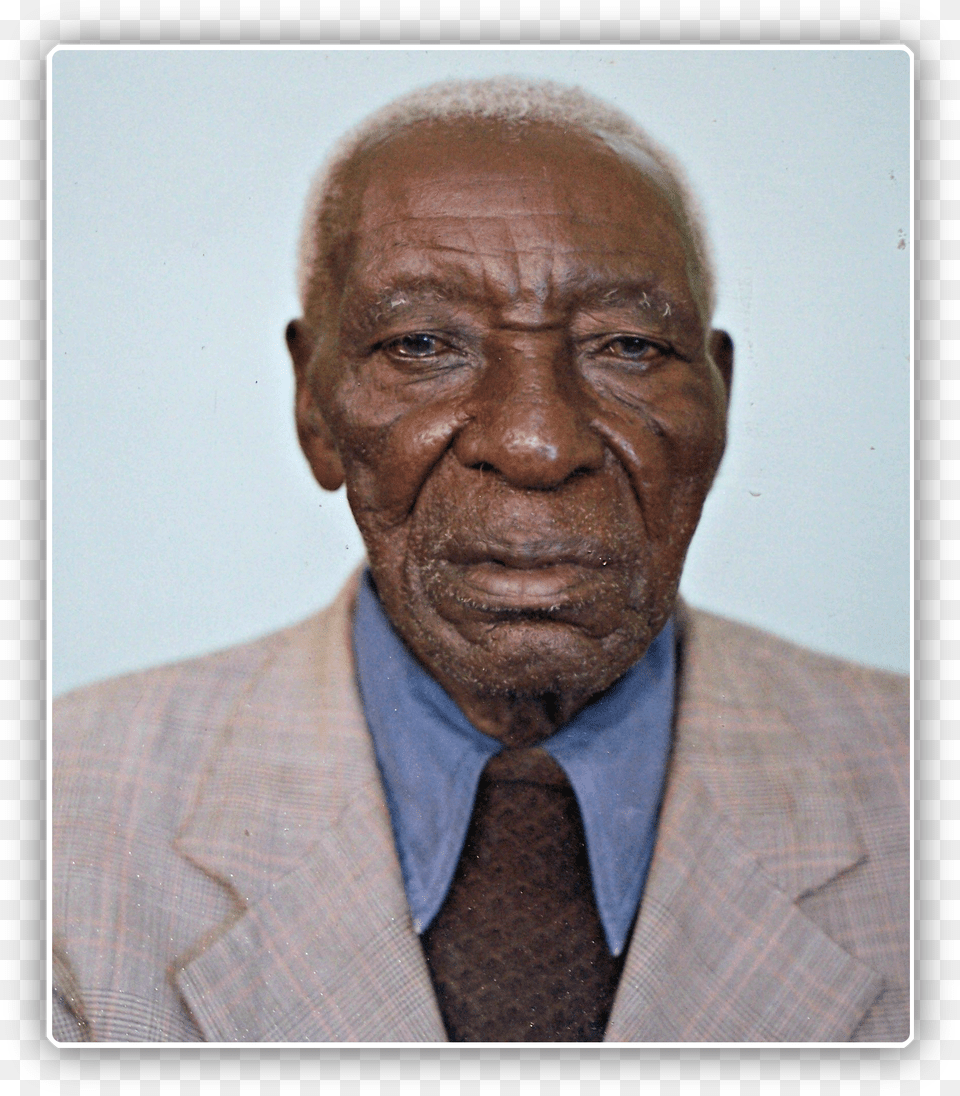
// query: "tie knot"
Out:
[527,765]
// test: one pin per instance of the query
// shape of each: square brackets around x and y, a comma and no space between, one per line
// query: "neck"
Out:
[517,721]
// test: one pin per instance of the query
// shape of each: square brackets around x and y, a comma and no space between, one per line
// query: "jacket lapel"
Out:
[721,952]
[291,818]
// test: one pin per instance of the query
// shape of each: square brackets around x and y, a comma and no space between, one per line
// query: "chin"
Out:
[531,659]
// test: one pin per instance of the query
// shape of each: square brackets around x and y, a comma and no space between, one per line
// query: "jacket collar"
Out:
[291,818]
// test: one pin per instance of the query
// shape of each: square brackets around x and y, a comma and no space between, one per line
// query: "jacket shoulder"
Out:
[841,702]
[184,700]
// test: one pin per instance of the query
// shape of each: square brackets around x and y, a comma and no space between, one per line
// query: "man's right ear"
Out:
[316,440]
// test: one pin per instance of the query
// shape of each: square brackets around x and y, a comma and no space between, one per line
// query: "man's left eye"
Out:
[417,345]
[632,348]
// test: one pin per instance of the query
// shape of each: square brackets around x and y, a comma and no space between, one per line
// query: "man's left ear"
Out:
[721,351]
[316,439]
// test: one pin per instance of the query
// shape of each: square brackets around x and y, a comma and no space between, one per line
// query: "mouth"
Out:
[526,578]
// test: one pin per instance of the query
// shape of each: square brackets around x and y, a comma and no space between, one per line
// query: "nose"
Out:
[529,416]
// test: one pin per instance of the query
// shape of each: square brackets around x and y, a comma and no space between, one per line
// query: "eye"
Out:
[631,348]
[416,345]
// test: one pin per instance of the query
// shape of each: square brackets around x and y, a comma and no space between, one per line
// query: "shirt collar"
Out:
[614,753]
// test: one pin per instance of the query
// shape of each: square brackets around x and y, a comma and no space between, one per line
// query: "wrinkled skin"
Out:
[518,384]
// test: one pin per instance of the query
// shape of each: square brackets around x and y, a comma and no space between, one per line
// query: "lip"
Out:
[528,555]
[524,587]
[535,577]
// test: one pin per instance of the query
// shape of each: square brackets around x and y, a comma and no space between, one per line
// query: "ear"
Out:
[721,352]
[316,440]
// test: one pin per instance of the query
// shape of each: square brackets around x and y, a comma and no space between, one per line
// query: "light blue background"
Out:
[184,516]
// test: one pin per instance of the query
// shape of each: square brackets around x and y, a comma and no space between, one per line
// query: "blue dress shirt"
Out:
[614,753]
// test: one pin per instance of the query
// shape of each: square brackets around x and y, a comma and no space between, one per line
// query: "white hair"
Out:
[506,99]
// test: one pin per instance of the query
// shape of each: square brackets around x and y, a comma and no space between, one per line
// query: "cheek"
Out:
[695,444]
[388,449]
[671,453]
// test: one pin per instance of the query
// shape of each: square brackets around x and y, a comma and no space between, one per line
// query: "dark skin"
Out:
[517,382]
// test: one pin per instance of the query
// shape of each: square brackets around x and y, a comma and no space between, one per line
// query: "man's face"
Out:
[525,401]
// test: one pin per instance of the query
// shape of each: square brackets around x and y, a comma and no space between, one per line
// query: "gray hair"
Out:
[507,99]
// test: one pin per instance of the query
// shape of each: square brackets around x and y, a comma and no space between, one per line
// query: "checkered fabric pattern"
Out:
[28,30]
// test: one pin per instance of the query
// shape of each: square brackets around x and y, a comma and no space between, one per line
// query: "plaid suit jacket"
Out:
[224,867]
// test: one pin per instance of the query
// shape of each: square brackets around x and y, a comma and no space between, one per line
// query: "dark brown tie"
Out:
[517,952]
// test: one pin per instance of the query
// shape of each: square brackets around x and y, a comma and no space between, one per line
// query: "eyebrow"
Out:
[403,294]
[643,297]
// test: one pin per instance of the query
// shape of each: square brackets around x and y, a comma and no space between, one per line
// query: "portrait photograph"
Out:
[480,523]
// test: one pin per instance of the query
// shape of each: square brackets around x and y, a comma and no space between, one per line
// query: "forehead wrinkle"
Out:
[529,288]
[506,279]
[536,267]
[427,221]
[416,232]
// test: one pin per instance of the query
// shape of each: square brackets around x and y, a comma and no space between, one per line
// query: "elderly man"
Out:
[506,787]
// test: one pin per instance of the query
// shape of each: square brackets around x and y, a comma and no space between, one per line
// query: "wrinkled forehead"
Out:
[536,180]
